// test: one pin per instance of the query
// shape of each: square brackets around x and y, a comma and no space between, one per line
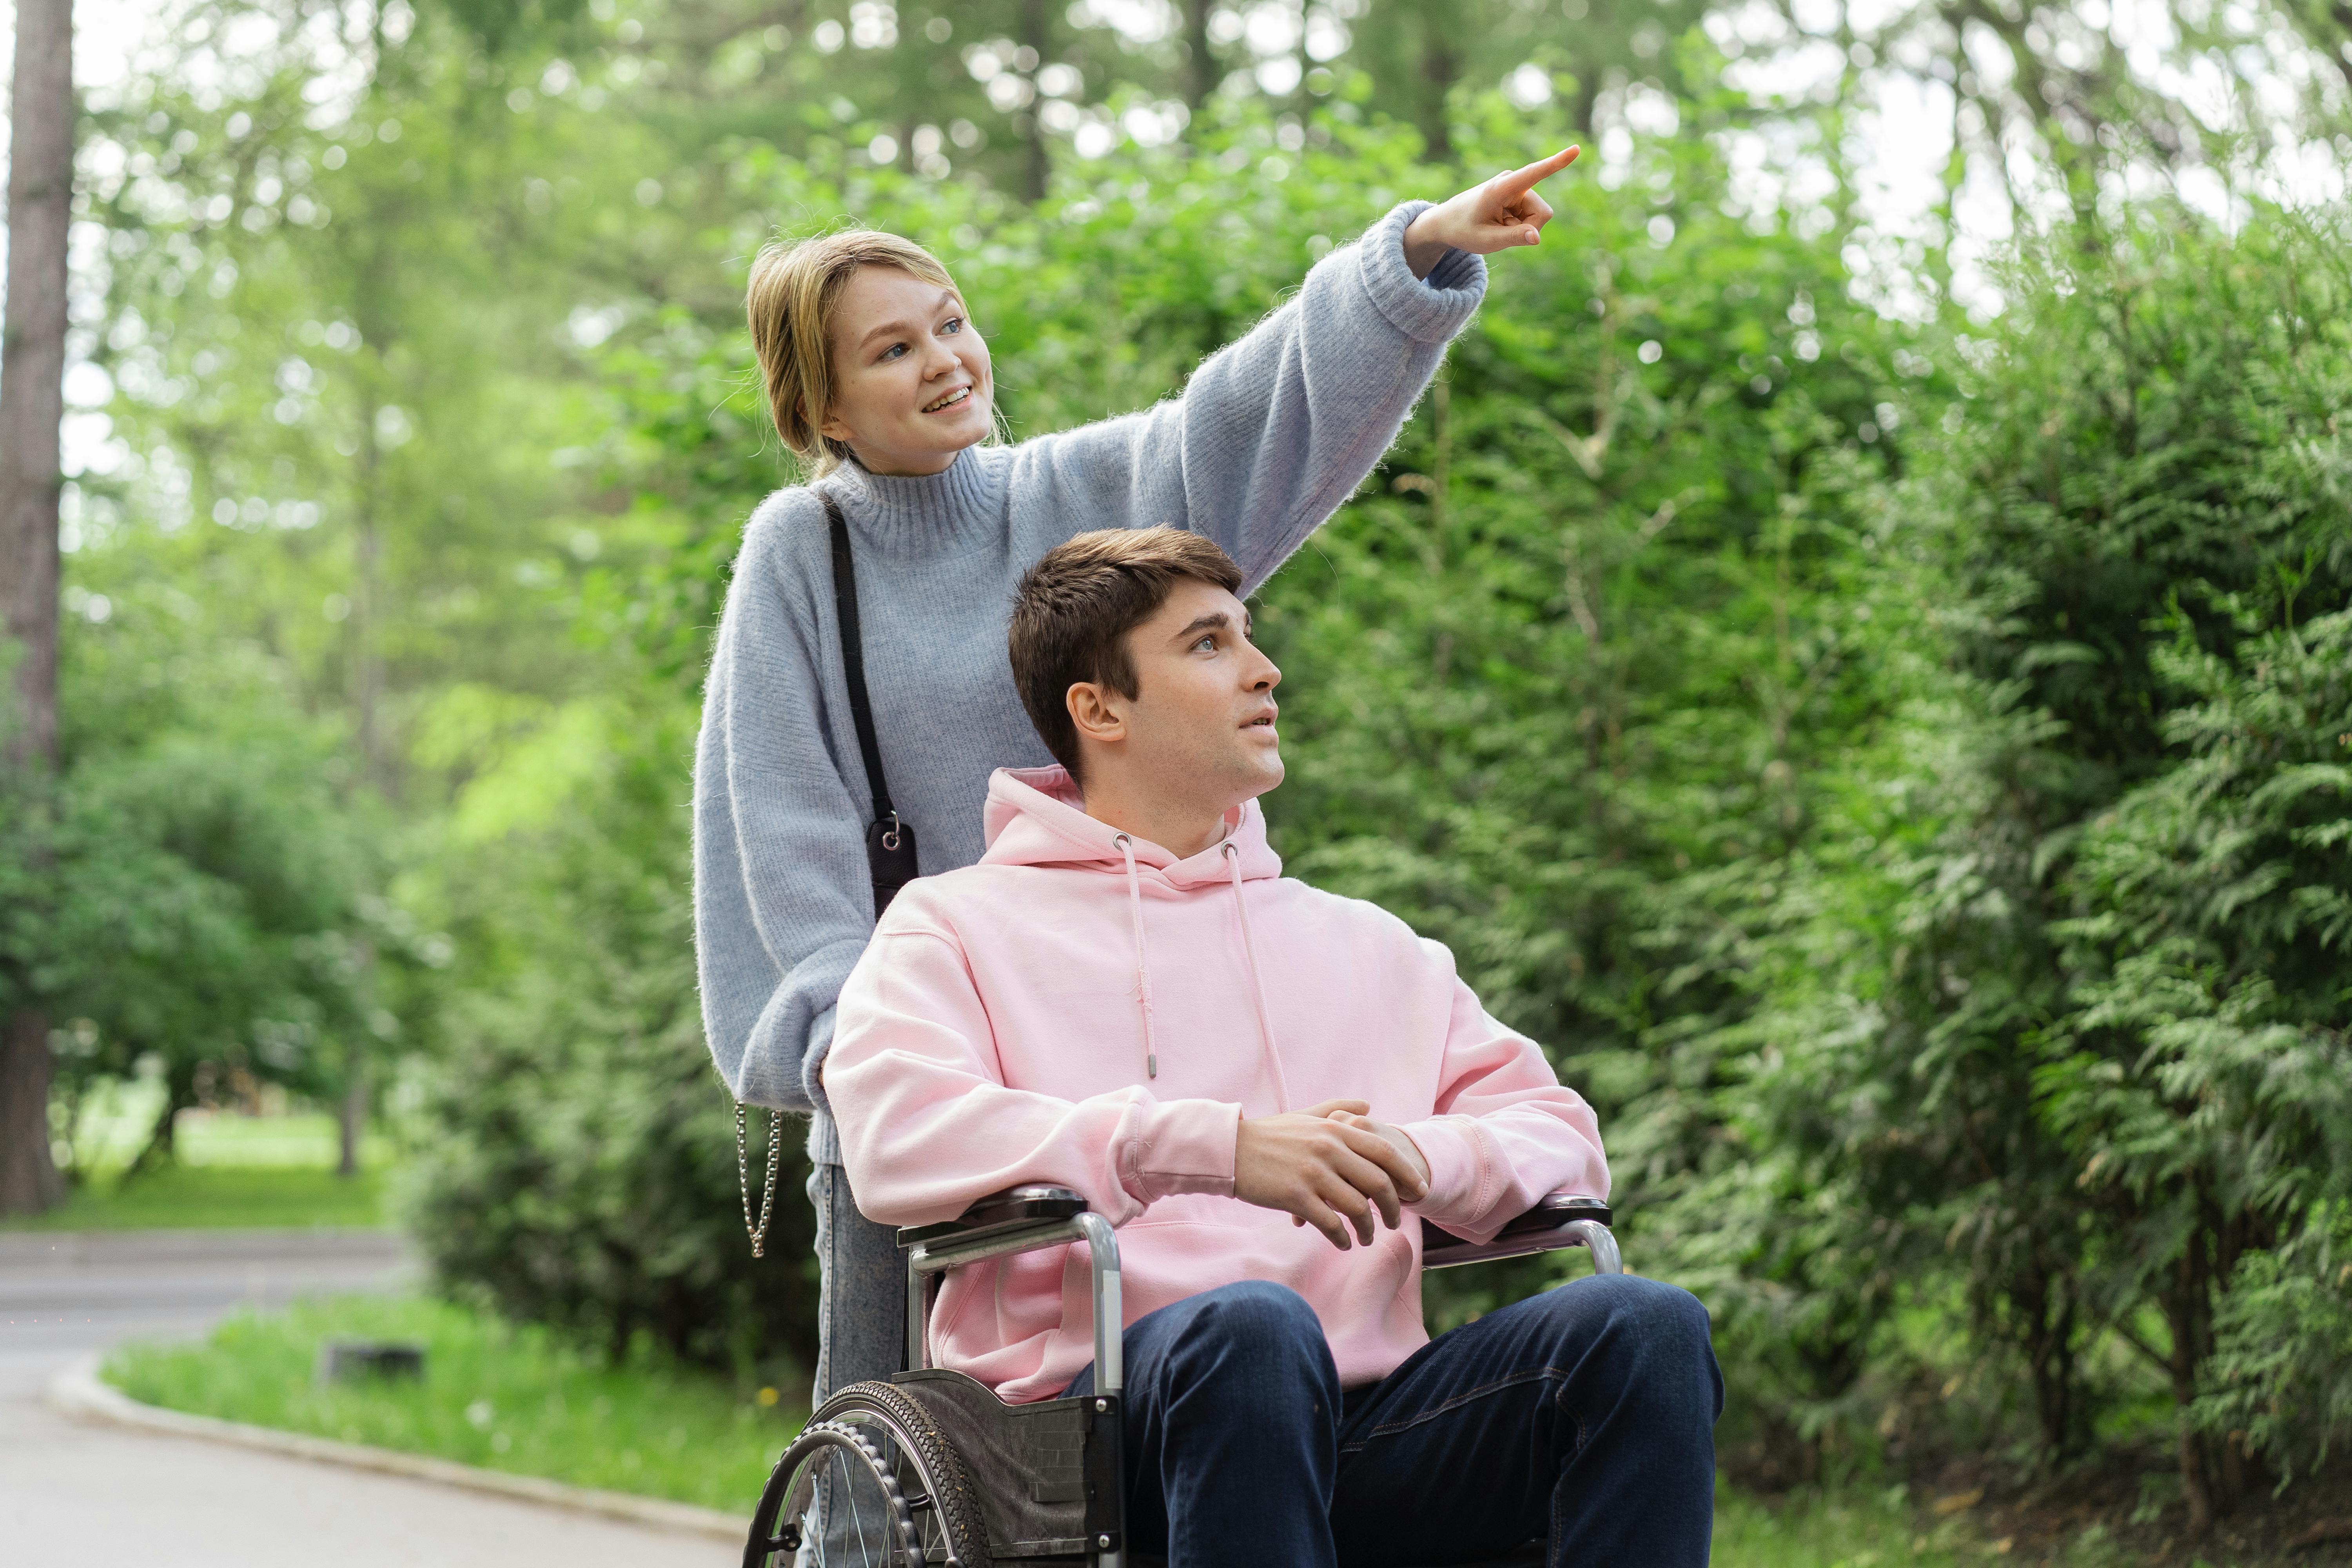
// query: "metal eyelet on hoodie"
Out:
[1143,959]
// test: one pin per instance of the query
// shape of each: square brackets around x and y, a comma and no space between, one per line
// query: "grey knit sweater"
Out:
[1270,434]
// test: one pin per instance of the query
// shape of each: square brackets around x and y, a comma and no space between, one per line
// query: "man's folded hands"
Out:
[1331,1166]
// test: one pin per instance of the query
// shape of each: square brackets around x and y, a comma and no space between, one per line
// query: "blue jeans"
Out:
[1584,1416]
[861,1315]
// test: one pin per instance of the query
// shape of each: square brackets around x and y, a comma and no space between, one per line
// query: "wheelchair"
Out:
[932,1467]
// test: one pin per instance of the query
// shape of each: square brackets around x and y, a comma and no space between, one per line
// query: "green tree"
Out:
[193,899]
[2100,1012]
[1573,680]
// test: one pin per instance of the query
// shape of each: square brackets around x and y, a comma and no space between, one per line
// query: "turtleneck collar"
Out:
[923,514]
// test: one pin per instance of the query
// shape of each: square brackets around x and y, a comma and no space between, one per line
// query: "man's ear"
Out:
[1098,714]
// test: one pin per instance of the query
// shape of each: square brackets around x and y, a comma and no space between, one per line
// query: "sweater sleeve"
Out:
[1274,431]
[782,899]
[1506,1132]
[928,1126]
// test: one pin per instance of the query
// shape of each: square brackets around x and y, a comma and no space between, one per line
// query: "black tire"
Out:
[870,1481]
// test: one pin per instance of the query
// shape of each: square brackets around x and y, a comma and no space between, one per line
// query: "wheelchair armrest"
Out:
[1559,1220]
[1013,1208]
[1019,1219]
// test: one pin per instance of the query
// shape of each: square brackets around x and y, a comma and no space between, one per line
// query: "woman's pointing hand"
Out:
[1502,211]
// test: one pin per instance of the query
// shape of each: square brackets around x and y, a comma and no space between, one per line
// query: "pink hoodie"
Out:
[1084,1009]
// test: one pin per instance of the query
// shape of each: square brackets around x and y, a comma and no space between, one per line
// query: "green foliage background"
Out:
[1894,758]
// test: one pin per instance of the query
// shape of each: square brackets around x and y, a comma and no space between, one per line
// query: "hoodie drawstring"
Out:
[1257,986]
[1143,959]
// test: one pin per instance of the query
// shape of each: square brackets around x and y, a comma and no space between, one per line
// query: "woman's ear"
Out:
[834,429]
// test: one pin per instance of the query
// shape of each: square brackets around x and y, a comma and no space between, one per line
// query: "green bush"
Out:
[2087,1057]
[2281,1375]
[581,1172]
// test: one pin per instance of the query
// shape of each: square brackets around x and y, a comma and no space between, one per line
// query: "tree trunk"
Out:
[1038,166]
[353,1122]
[1441,67]
[365,654]
[365,633]
[162,1138]
[1440,429]
[1199,55]
[2044,1304]
[1586,103]
[2186,1321]
[29,1181]
[32,404]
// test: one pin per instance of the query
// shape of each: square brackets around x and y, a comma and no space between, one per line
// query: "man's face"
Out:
[1201,725]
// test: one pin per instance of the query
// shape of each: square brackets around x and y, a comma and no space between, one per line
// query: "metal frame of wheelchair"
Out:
[958,1477]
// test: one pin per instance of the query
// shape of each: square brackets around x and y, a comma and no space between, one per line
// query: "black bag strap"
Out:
[853,662]
[889,848]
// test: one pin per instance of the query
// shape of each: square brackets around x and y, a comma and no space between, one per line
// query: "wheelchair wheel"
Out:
[870,1483]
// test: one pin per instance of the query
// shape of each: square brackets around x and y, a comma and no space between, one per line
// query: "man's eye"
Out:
[1207,641]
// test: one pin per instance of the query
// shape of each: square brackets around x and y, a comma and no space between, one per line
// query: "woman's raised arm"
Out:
[1274,431]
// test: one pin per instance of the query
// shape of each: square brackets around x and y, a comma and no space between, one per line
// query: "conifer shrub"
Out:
[2086,1071]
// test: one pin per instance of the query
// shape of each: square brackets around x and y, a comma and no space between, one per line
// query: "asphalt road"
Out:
[76,1496]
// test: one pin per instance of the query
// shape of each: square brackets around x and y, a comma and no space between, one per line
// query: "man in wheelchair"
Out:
[1264,1087]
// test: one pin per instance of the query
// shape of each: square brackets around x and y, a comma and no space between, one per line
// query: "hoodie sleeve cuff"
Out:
[1182,1146]
[1430,309]
[1461,1167]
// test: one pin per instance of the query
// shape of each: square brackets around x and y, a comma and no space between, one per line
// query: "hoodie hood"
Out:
[1036,817]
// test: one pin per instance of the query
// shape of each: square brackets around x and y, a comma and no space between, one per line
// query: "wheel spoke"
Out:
[856,1489]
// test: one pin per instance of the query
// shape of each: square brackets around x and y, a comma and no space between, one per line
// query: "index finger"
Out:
[1535,174]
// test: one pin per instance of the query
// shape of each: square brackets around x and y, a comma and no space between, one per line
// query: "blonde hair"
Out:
[795,287]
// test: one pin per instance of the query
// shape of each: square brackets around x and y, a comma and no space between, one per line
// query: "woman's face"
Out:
[911,386]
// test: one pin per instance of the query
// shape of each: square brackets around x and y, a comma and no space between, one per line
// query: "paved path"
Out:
[73,1496]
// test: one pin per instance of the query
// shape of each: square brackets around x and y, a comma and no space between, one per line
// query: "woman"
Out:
[879,383]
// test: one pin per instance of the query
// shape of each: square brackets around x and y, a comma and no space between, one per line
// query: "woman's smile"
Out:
[912,383]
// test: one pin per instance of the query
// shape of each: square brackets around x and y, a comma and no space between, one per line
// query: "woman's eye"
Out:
[954,324]
[893,351]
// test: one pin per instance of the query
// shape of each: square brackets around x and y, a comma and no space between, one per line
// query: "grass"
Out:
[1858,1528]
[505,1396]
[227,1171]
[1862,1527]
[219,1196]
[115,1125]
[524,1400]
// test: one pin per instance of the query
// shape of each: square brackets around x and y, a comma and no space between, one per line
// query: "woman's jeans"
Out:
[1584,1416]
[861,1321]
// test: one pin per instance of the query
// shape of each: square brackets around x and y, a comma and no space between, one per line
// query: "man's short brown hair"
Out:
[1074,609]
